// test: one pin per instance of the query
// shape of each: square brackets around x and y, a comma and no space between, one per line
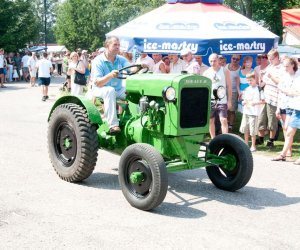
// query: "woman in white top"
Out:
[289,99]
[75,65]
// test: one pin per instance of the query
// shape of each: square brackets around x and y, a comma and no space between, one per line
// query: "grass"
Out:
[278,145]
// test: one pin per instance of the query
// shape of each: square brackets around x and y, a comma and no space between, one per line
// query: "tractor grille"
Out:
[194,107]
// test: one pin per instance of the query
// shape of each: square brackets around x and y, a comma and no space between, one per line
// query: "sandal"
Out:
[114,130]
[279,158]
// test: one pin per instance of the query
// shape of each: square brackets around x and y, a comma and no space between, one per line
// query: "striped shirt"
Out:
[271,90]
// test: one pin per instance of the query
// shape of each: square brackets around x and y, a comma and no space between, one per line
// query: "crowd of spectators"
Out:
[267,95]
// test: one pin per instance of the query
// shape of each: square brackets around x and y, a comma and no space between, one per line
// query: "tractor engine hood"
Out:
[153,84]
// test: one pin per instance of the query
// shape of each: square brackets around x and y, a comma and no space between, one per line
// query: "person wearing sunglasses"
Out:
[233,67]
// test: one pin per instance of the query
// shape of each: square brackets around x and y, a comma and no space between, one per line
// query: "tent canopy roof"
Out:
[202,27]
[290,17]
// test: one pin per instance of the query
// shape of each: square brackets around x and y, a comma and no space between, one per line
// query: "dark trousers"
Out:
[59,67]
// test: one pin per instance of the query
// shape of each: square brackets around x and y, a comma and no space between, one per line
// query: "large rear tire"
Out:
[232,146]
[152,188]
[72,143]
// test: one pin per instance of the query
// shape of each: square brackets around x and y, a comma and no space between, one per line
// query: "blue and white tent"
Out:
[204,26]
[36,48]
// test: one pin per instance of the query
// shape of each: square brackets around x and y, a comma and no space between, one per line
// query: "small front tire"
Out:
[151,191]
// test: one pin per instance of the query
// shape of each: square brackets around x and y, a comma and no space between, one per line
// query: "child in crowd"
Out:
[242,83]
[15,74]
[252,106]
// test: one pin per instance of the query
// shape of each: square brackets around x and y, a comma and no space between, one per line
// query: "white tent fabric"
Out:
[202,27]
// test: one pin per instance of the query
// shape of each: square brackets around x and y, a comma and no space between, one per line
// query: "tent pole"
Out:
[45,24]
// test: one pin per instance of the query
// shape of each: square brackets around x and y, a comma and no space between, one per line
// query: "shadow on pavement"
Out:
[249,197]
[102,181]
[178,211]
[196,184]
[11,86]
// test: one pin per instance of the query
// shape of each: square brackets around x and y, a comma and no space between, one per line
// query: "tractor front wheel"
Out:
[237,171]
[143,176]
[72,143]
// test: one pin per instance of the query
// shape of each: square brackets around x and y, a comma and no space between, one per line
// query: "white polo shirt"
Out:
[146,60]
[44,67]
[1,61]
[25,60]
[177,67]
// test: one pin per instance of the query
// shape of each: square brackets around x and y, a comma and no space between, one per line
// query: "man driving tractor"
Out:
[106,85]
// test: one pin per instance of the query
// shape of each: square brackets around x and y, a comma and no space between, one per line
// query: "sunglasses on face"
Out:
[235,58]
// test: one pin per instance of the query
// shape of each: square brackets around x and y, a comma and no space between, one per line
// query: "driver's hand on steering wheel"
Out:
[114,73]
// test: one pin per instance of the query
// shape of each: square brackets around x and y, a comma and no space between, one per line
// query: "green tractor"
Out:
[163,126]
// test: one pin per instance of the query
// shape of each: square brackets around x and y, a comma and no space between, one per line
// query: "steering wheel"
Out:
[124,73]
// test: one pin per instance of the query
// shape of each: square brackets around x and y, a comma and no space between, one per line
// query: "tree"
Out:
[74,27]
[269,12]
[51,6]
[242,6]
[85,25]
[266,12]
[18,24]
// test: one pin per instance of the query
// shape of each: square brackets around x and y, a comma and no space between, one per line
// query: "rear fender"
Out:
[92,111]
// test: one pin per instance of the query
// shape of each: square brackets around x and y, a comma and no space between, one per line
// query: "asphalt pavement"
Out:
[40,211]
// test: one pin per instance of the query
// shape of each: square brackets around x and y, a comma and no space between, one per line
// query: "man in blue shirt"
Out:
[106,85]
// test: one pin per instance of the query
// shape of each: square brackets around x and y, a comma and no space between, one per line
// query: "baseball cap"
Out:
[84,51]
[185,51]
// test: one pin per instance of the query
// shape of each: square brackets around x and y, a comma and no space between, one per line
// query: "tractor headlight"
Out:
[169,94]
[219,93]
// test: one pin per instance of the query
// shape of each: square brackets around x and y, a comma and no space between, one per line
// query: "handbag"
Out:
[79,78]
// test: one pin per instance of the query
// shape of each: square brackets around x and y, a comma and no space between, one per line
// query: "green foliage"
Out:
[85,26]
[74,25]
[270,12]
[266,12]
[51,7]
[18,24]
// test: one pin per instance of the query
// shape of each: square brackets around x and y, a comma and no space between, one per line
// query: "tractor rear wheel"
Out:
[238,173]
[143,176]
[72,143]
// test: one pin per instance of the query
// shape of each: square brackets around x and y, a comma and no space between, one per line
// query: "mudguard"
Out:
[92,111]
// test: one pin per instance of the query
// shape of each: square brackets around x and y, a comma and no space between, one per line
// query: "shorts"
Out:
[282,111]
[1,71]
[25,70]
[220,109]
[267,119]
[33,73]
[44,81]
[234,102]
[295,119]
[249,125]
